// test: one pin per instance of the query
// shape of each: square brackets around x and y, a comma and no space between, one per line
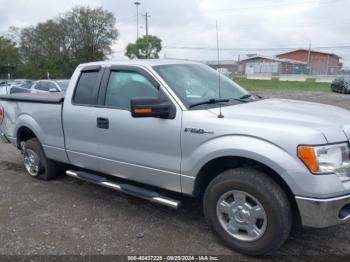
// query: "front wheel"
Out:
[248,211]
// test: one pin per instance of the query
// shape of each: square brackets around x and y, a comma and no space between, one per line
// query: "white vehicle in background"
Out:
[19,86]
[3,85]
[52,86]
[15,86]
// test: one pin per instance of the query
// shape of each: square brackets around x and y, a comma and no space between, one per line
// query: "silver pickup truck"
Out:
[153,127]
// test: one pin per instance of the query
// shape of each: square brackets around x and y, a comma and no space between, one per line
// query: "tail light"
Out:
[2,113]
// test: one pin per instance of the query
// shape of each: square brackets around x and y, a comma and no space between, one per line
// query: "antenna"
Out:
[219,78]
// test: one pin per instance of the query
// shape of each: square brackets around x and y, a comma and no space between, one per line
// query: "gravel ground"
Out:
[67,216]
[335,99]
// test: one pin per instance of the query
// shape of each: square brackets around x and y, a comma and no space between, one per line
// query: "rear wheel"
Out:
[36,163]
[248,211]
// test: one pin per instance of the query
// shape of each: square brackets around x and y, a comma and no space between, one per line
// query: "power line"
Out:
[238,28]
[259,7]
[263,6]
[347,46]
[160,12]
[125,19]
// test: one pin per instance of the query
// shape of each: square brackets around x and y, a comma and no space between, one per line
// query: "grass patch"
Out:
[276,85]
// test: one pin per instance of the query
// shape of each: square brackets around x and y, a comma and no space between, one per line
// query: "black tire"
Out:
[273,200]
[48,169]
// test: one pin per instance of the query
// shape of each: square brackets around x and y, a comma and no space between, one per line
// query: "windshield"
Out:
[195,83]
[63,84]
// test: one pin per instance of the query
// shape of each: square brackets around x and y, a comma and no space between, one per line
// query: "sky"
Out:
[187,27]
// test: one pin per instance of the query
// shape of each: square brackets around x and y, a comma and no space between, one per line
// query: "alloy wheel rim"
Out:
[31,162]
[241,215]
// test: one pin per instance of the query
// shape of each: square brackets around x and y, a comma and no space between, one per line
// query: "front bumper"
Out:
[323,212]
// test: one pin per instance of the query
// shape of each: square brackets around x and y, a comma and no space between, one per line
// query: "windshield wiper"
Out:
[251,95]
[245,96]
[210,101]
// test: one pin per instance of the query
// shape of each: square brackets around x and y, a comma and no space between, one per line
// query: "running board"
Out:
[125,188]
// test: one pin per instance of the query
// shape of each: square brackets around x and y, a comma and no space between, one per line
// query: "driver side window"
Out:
[125,85]
[42,85]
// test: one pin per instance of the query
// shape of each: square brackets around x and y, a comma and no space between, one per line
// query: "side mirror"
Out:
[150,107]
[53,90]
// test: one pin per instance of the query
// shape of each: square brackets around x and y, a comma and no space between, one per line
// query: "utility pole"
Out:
[8,72]
[327,65]
[146,22]
[308,58]
[137,19]
[238,63]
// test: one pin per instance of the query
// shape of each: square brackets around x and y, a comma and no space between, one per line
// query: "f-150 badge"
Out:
[197,130]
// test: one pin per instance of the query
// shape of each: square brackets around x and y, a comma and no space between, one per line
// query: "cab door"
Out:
[79,118]
[146,150]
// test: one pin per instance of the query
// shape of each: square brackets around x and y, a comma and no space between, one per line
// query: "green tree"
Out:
[147,47]
[59,45]
[14,34]
[9,57]
[43,49]
[89,33]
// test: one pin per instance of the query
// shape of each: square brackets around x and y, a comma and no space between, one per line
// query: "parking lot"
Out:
[67,216]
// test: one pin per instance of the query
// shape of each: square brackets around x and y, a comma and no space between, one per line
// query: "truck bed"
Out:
[45,98]
[42,114]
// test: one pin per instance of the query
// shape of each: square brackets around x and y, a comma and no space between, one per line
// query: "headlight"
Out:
[327,159]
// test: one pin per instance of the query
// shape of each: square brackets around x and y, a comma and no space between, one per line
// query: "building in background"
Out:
[261,64]
[320,63]
[226,67]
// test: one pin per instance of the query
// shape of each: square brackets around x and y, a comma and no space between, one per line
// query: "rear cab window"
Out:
[85,90]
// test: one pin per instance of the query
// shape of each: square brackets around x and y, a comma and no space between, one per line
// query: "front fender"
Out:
[289,167]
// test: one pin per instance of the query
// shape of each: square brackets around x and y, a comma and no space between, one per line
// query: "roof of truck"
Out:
[142,62]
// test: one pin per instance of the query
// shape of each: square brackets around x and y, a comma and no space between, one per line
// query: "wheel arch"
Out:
[27,128]
[23,134]
[220,164]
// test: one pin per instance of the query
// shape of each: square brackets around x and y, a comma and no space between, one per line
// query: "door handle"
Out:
[102,123]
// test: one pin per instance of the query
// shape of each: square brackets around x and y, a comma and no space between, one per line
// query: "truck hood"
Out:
[332,121]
